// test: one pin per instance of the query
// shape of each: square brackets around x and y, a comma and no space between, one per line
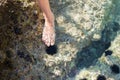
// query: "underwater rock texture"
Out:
[85,30]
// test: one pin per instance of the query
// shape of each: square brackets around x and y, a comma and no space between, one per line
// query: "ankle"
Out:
[49,19]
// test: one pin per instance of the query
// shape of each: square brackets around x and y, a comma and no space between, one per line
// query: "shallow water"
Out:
[84,32]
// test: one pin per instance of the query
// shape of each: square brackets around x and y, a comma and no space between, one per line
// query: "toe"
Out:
[52,41]
[47,42]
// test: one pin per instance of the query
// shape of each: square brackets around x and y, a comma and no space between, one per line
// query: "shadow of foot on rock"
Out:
[90,54]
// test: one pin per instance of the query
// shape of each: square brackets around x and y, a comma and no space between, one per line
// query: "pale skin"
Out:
[48,35]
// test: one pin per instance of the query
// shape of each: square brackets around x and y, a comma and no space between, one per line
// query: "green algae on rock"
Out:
[18,23]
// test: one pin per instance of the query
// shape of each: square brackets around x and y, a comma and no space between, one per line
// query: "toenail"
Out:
[52,44]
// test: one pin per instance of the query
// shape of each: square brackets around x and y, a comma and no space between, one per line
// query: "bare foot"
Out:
[48,35]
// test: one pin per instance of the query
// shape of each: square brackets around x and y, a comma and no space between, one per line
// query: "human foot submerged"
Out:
[48,35]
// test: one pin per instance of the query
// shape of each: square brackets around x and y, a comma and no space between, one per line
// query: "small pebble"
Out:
[101,77]
[51,50]
[108,52]
[115,68]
